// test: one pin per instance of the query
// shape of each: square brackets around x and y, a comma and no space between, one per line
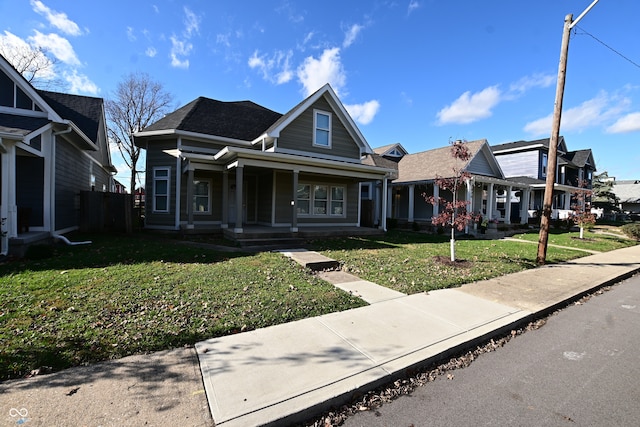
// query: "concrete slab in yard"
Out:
[311,259]
[368,291]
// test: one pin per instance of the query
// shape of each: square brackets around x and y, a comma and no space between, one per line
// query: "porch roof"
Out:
[231,157]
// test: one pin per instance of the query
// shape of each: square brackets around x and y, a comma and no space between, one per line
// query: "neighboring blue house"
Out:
[52,147]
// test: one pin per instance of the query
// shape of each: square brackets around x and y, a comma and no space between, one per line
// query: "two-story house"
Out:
[526,162]
[239,167]
[52,147]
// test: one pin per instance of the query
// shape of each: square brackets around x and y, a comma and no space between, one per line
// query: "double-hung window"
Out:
[322,129]
[544,164]
[201,196]
[161,189]
[321,200]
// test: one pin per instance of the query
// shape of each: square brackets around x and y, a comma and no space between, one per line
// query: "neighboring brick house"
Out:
[238,166]
[52,147]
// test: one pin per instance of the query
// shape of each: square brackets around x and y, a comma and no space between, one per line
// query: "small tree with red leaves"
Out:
[580,216]
[454,213]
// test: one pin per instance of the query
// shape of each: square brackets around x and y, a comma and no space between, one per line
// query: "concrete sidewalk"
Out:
[290,372]
[287,373]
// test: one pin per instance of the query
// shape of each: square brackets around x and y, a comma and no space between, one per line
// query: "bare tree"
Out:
[35,64]
[137,103]
[582,216]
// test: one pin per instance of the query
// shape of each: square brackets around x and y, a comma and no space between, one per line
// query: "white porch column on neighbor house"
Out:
[385,206]
[469,199]
[490,201]
[436,195]
[412,189]
[189,200]
[8,207]
[225,199]
[294,203]
[239,199]
[389,198]
[507,205]
[524,206]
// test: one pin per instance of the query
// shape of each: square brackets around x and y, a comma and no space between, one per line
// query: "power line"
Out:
[606,45]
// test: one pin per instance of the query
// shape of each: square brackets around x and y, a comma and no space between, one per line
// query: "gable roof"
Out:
[386,149]
[431,164]
[580,158]
[241,120]
[330,96]
[628,191]
[525,145]
[84,111]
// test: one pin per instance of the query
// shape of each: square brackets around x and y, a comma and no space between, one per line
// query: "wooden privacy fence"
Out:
[101,212]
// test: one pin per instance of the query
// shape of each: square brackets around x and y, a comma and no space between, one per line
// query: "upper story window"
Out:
[12,96]
[544,164]
[322,128]
[161,189]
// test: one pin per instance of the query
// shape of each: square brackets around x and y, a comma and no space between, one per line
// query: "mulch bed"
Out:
[447,261]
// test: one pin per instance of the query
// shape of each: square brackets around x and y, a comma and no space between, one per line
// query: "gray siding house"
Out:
[52,147]
[239,167]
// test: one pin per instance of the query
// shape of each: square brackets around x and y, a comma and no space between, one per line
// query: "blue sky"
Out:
[417,72]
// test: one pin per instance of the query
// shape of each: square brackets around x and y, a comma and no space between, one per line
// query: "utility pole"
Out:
[555,136]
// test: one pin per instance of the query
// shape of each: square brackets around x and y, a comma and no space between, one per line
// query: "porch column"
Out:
[383,219]
[468,199]
[524,206]
[490,200]
[189,200]
[412,188]
[225,199]
[389,197]
[294,203]
[8,200]
[507,211]
[436,196]
[239,209]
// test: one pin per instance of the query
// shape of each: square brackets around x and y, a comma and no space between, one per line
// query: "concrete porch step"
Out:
[271,243]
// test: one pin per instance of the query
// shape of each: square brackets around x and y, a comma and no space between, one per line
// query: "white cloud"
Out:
[314,73]
[625,124]
[80,83]
[58,46]
[191,22]
[365,112]
[11,47]
[130,34]
[180,48]
[58,19]
[469,108]
[351,35]
[530,82]
[276,69]
[593,112]
[151,52]
[413,5]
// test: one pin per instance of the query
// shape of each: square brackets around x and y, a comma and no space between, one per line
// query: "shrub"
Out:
[632,230]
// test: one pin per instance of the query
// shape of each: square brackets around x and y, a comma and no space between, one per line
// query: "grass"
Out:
[124,295]
[594,240]
[121,296]
[411,262]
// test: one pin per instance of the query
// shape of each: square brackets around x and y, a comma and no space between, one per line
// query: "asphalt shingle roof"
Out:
[428,165]
[84,111]
[243,120]
[628,191]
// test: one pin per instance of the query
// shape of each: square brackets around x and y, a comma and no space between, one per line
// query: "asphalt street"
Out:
[582,368]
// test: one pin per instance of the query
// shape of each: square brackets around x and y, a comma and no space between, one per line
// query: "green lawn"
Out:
[121,295]
[124,295]
[594,240]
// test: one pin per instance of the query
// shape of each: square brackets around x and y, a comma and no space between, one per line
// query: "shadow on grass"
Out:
[392,239]
[126,249]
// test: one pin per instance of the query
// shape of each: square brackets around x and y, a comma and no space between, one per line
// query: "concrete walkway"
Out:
[291,372]
[287,373]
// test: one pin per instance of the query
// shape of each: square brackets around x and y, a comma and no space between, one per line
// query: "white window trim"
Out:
[315,128]
[208,211]
[168,195]
[545,164]
[329,201]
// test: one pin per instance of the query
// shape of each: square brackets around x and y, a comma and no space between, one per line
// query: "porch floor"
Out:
[256,235]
